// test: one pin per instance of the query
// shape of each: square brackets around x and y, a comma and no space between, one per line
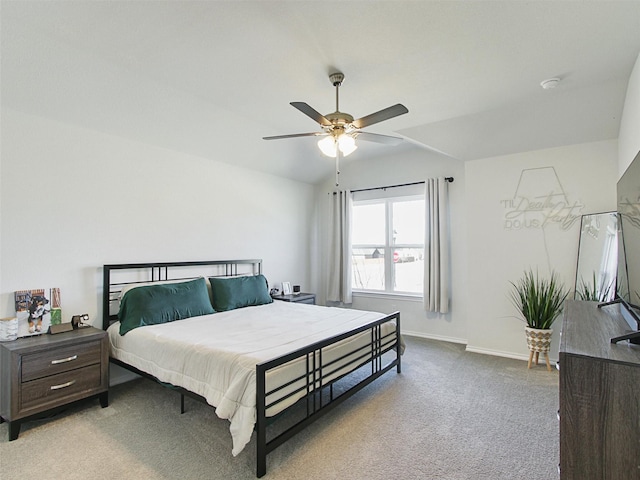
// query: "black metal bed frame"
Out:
[323,386]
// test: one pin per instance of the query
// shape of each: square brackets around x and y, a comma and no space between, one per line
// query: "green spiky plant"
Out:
[592,291]
[539,300]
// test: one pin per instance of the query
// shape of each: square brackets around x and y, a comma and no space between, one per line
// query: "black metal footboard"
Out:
[318,385]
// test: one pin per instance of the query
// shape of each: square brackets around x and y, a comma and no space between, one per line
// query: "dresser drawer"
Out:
[50,362]
[57,389]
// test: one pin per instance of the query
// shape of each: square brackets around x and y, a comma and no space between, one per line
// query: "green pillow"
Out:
[155,304]
[237,292]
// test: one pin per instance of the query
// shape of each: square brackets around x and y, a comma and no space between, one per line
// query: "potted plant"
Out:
[593,291]
[539,301]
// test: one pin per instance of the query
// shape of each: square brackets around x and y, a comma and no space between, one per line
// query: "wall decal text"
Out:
[540,201]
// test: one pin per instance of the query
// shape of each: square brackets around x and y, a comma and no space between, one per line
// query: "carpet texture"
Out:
[450,415]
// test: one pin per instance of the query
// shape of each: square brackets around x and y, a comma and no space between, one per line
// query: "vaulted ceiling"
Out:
[211,78]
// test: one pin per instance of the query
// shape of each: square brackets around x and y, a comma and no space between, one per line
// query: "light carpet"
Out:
[450,415]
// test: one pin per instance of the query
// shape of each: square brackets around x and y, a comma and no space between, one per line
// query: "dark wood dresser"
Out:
[599,396]
[39,374]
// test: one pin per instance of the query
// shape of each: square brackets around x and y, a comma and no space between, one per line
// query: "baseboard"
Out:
[498,353]
[435,337]
[471,349]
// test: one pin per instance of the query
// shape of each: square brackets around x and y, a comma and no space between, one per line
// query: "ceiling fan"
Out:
[340,130]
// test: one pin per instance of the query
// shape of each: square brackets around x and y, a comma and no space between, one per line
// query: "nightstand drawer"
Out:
[39,393]
[50,362]
[311,300]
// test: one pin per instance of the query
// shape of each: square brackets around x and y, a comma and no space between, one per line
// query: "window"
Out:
[387,240]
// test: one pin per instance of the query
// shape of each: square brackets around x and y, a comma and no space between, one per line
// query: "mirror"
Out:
[597,257]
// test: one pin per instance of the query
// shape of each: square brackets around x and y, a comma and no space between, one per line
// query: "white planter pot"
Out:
[538,341]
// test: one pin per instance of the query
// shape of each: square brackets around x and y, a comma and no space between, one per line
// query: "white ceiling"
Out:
[211,78]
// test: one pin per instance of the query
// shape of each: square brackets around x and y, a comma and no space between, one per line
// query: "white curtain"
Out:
[339,285]
[436,245]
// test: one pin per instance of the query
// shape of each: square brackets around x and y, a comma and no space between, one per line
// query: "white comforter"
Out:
[215,355]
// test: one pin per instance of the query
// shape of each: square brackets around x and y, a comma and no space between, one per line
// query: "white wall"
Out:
[74,199]
[398,168]
[505,238]
[485,255]
[629,137]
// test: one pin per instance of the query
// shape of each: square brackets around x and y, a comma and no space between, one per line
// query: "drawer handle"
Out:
[64,360]
[62,385]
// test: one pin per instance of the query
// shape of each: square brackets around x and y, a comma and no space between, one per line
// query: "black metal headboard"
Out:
[118,276]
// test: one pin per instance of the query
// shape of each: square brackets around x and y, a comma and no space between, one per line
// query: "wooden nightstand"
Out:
[299,298]
[45,372]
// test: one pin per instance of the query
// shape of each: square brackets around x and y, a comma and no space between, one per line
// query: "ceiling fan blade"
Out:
[277,137]
[376,137]
[380,116]
[311,113]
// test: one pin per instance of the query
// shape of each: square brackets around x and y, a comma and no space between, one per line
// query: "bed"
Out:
[267,366]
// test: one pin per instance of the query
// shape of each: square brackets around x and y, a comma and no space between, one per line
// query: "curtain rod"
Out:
[448,179]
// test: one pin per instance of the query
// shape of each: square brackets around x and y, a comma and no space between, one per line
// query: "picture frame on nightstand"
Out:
[286,288]
[37,310]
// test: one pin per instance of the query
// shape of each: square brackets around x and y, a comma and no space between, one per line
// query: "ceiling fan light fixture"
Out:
[347,144]
[328,146]
[340,130]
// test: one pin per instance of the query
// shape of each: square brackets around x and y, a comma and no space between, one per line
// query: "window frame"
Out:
[389,247]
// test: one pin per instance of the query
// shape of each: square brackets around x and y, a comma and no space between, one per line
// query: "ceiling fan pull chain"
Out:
[337,167]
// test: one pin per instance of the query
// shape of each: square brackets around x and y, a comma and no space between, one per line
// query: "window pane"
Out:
[367,269]
[391,227]
[408,265]
[368,224]
[408,222]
